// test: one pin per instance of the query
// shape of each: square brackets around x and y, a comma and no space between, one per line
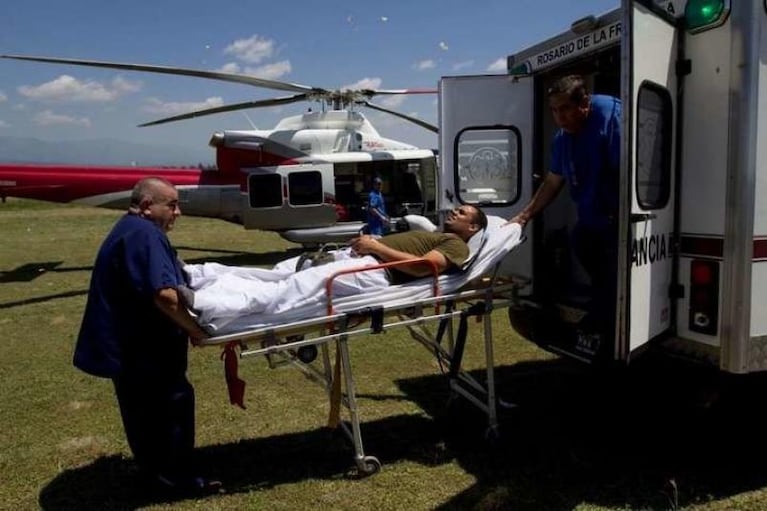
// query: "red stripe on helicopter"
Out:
[65,183]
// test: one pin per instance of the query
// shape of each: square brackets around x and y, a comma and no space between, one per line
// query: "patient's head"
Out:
[465,221]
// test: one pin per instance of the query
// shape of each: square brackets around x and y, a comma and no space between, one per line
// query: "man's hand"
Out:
[364,245]
[196,338]
[520,218]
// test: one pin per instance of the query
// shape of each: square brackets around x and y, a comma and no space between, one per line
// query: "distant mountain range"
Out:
[101,152]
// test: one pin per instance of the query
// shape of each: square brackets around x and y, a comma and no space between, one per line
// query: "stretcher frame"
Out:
[296,344]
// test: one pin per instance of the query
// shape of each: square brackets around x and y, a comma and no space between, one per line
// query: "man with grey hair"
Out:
[135,331]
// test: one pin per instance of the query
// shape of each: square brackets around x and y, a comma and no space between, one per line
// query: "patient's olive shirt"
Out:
[419,243]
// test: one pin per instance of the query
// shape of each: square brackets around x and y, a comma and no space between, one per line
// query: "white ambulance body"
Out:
[692,268]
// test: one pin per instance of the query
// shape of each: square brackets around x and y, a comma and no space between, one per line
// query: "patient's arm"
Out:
[365,245]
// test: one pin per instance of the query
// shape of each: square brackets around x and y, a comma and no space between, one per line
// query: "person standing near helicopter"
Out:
[377,219]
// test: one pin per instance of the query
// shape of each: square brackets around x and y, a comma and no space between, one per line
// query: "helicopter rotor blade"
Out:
[414,120]
[344,97]
[228,108]
[383,92]
[213,75]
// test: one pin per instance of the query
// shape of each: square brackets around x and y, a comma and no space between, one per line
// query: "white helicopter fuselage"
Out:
[313,171]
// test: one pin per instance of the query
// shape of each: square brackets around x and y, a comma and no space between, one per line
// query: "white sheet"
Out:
[485,251]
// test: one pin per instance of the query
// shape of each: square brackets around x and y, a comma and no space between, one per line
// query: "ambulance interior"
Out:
[562,286]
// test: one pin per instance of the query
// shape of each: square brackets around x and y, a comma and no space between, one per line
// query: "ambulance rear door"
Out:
[649,94]
[486,126]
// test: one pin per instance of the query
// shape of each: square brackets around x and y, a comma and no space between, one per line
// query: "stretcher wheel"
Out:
[307,354]
[492,434]
[369,466]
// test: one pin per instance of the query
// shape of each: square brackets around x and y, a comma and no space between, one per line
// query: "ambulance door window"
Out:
[305,188]
[265,190]
[489,162]
[654,139]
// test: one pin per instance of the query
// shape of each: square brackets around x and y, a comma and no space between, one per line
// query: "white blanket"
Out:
[486,250]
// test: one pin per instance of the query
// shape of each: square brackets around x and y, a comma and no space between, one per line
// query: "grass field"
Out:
[654,437]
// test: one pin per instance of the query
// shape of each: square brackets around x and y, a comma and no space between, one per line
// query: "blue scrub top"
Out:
[590,161]
[376,201]
[122,330]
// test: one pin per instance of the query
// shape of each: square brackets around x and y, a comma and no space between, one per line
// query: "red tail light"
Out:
[704,297]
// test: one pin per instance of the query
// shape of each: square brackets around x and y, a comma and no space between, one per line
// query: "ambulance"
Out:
[692,215]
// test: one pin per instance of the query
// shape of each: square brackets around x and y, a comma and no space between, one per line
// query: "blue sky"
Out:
[330,44]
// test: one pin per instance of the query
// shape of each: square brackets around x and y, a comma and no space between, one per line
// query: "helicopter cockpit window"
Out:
[265,190]
[488,162]
[305,188]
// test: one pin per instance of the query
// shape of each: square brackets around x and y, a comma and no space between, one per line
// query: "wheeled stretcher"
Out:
[428,308]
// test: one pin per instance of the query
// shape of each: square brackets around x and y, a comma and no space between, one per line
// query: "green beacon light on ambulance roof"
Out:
[699,14]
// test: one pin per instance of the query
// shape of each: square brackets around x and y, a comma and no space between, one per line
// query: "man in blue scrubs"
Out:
[585,154]
[377,217]
[135,331]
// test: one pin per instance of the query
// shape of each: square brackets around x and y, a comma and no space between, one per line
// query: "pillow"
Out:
[420,223]
[477,241]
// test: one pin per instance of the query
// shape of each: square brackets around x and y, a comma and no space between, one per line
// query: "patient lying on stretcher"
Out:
[219,291]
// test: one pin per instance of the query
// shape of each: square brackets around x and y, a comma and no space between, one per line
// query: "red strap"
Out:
[234,384]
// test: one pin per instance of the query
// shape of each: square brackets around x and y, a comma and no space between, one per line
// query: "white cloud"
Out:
[463,65]
[230,67]
[48,118]
[252,50]
[425,64]
[19,107]
[443,45]
[497,66]
[124,86]
[68,88]
[3,97]
[156,106]
[365,83]
[270,71]
[4,124]
[384,18]
[393,101]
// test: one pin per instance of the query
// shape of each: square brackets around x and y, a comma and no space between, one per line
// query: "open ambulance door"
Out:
[647,210]
[486,150]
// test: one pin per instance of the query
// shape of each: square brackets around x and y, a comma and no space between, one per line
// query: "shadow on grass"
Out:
[660,435]
[28,272]
[41,299]
[250,465]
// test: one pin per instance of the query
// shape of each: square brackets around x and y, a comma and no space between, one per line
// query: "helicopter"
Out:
[306,179]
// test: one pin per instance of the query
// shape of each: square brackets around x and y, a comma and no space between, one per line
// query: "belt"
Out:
[387,271]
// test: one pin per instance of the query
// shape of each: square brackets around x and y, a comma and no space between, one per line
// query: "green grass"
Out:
[579,439]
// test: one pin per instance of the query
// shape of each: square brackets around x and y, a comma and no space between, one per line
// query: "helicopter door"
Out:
[650,45]
[290,197]
[486,150]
